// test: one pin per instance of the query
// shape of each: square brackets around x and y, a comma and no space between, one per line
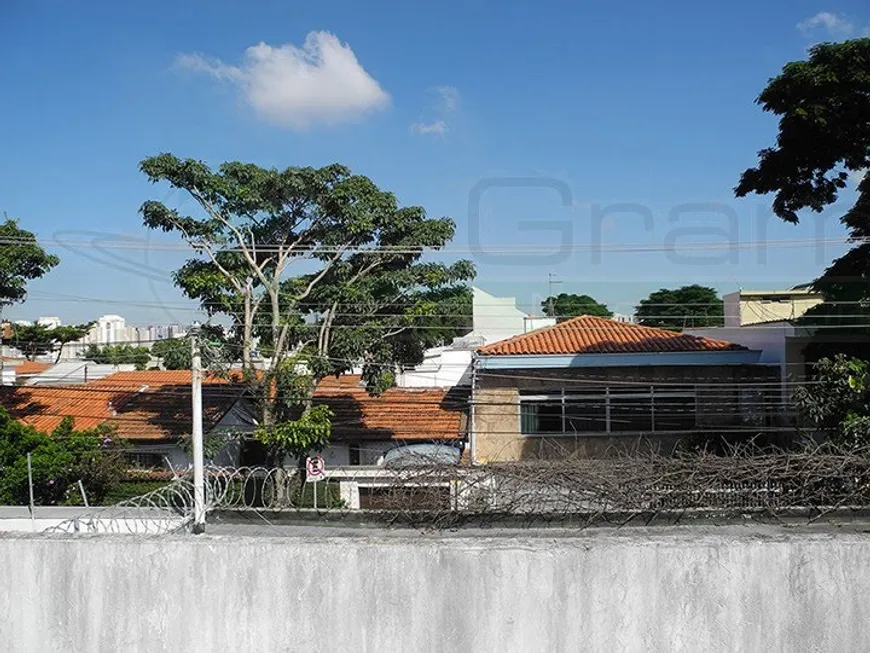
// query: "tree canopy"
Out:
[176,353]
[21,260]
[566,305]
[681,308]
[62,335]
[823,104]
[118,355]
[36,340]
[318,265]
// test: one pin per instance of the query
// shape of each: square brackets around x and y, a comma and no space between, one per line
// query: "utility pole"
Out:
[550,282]
[196,432]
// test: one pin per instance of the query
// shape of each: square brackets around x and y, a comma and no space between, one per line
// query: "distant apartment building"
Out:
[493,319]
[51,322]
[748,307]
[496,318]
[113,330]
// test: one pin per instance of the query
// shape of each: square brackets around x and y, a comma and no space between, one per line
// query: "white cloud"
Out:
[857,176]
[834,24]
[446,102]
[448,98]
[321,82]
[439,128]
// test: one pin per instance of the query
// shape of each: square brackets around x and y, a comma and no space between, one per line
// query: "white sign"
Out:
[315,468]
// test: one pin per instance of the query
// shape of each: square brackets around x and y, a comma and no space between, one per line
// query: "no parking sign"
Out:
[315,468]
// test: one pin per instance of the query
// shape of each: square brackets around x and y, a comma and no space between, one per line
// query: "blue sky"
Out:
[648,104]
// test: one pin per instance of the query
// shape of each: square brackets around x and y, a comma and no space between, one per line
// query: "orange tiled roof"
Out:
[398,413]
[44,407]
[155,405]
[147,405]
[587,334]
[152,379]
[24,367]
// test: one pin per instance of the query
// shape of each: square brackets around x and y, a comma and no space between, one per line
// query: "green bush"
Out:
[59,461]
[328,495]
[131,489]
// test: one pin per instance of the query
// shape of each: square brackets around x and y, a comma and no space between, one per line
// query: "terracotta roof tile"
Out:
[587,334]
[155,405]
[398,413]
[159,405]
[147,405]
[44,408]
[24,367]
[152,378]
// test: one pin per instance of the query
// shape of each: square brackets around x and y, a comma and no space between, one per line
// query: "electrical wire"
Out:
[276,248]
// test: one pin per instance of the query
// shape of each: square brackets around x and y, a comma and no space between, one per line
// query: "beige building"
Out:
[593,387]
[747,307]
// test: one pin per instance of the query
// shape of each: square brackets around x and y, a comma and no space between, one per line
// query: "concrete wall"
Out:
[758,306]
[593,592]
[498,318]
[497,436]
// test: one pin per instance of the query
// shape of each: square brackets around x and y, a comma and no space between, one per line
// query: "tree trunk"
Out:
[247,335]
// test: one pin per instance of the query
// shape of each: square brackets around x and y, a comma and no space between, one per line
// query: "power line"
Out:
[276,248]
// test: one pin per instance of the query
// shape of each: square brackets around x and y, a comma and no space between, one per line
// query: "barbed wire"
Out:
[637,486]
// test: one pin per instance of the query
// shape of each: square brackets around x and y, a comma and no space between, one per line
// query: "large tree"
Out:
[566,305]
[319,265]
[823,105]
[62,335]
[32,340]
[21,260]
[681,308]
[35,340]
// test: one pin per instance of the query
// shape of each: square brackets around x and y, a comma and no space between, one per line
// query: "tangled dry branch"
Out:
[812,484]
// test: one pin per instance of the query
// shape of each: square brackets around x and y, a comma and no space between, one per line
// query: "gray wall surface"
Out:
[676,590]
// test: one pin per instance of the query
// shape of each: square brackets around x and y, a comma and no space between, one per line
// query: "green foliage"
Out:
[823,105]
[71,333]
[838,400]
[59,461]
[328,495]
[21,260]
[32,340]
[118,355]
[37,340]
[127,489]
[681,308]
[318,265]
[176,353]
[297,438]
[212,445]
[564,306]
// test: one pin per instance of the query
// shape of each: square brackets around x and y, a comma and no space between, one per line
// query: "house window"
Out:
[608,410]
[353,453]
[146,460]
[542,416]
